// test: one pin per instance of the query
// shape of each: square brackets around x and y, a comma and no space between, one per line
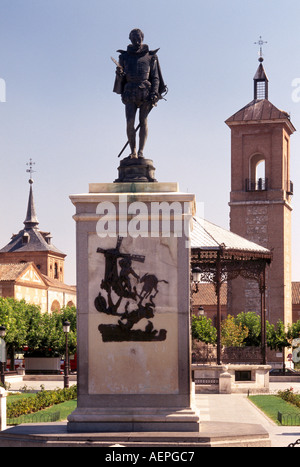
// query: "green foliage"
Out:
[294,330]
[244,330]
[13,316]
[289,396]
[252,322]
[203,330]
[46,337]
[233,334]
[277,337]
[39,401]
[41,334]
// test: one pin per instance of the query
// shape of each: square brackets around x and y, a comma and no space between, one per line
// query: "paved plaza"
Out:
[237,408]
[230,408]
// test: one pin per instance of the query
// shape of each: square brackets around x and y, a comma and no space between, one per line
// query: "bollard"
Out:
[2,409]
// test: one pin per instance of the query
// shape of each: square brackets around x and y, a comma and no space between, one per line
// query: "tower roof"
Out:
[260,74]
[31,238]
[31,221]
[260,109]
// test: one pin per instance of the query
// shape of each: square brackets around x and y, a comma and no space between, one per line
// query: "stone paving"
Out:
[231,408]
[237,408]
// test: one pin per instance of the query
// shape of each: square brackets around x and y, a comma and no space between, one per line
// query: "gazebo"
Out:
[218,256]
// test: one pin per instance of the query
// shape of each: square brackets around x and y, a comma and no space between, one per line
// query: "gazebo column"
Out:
[218,284]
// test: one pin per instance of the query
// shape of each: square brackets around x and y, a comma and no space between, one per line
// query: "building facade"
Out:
[32,268]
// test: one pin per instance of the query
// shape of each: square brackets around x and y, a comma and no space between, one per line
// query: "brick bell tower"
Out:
[260,197]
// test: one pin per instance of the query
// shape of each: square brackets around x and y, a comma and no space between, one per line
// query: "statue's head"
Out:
[136,36]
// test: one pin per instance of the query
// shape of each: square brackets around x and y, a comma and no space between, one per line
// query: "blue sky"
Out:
[60,109]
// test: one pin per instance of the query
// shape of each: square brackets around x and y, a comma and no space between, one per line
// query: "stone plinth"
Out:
[231,378]
[133,281]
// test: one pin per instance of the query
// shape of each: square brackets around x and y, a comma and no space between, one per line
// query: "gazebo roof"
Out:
[207,236]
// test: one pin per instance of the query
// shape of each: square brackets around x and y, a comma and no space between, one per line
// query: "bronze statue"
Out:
[140,83]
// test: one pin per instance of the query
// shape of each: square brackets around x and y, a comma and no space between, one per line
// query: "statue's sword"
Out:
[117,63]
[138,127]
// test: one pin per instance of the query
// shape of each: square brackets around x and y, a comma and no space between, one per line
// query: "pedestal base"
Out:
[212,434]
[139,419]
[133,306]
[136,170]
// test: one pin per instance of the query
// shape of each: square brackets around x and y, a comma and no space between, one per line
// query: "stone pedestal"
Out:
[136,170]
[133,279]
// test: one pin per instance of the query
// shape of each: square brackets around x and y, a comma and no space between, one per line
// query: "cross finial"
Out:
[260,42]
[30,170]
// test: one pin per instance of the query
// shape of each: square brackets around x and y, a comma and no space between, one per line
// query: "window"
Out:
[260,170]
[243,375]
[257,180]
[55,306]
[261,89]
[25,238]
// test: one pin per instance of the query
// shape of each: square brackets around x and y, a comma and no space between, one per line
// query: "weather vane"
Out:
[260,42]
[30,170]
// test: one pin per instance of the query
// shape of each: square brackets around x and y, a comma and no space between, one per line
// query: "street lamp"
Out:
[66,328]
[196,279]
[2,354]
[196,272]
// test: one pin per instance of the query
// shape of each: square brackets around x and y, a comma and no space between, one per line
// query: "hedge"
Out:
[40,401]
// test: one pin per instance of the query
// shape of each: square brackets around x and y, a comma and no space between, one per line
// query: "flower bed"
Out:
[289,396]
[40,401]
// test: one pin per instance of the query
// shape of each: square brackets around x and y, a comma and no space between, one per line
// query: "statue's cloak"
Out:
[120,81]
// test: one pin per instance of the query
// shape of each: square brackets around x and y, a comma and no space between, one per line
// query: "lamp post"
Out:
[195,279]
[66,328]
[196,275]
[2,354]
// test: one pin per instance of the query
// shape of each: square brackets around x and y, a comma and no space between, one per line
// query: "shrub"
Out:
[289,396]
[40,401]
[203,330]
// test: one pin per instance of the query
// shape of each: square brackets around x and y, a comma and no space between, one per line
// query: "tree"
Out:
[58,336]
[295,330]
[13,317]
[45,333]
[277,337]
[233,334]
[40,334]
[252,322]
[245,330]
[203,330]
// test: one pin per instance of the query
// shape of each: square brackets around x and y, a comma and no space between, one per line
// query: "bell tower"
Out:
[260,197]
